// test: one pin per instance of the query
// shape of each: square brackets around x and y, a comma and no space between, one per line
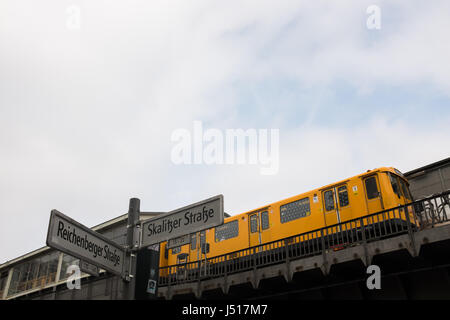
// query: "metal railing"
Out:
[406,219]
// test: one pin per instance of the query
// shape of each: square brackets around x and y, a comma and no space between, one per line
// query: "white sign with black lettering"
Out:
[79,241]
[184,221]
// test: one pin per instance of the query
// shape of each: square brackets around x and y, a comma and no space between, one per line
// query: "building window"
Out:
[295,210]
[14,285]
[3,279]
[329,200]
[35,273]
[254,223]
[371,188]
[227,231]
[265,220]
[49,265]
[343,196]
[67,261]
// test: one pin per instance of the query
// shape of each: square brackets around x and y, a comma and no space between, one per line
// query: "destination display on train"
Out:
[189,219]
[79,241]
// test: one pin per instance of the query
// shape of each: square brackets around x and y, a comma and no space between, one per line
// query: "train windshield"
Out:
[395,186]
[405,189]
[399,186]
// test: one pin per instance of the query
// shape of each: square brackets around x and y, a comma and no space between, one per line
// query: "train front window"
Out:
[394,183]
[405,189]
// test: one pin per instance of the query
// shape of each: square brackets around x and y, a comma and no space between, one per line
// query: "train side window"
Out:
[394,184]
[193,241]
[343,196]
[371,188]
[253,223]
[295,210]
[227,231]
[329,200]
[176,250]
[265,220]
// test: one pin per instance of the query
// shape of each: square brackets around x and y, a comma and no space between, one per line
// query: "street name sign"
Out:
[184,221]
[79,241]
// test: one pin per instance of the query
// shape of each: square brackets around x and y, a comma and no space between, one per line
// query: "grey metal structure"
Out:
[430,179]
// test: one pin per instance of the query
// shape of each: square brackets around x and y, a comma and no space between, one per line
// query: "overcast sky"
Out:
[88,105]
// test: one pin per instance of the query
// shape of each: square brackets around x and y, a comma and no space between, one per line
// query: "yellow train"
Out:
[367,193]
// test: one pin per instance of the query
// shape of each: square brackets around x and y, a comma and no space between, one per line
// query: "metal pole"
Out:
[410,230]
[132,246]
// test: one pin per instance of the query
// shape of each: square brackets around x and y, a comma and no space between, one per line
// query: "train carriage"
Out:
[342,205]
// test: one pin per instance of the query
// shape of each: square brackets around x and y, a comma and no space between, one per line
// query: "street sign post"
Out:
[147,273]
[79,241]
[184,221]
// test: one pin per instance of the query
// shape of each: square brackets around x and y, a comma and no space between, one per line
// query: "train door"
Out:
[331,211]
[258,224]
[343,202]
[336,205]
[373,195]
